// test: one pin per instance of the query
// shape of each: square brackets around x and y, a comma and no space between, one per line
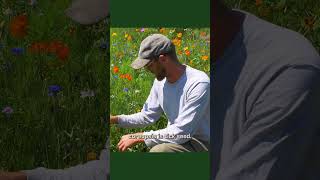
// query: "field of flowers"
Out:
[130,88]
[54,86]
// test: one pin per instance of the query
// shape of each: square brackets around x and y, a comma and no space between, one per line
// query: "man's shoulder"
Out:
[277,43]
[196,75]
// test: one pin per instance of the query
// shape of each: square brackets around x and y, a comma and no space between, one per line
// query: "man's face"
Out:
[156,68]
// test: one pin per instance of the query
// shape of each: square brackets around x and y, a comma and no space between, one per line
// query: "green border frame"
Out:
[164,13]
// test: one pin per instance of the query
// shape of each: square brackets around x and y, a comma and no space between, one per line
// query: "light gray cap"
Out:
[152,47]
[88,11]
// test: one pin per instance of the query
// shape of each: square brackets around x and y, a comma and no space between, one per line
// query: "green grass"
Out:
[128,96]
[301,16]
[58,131]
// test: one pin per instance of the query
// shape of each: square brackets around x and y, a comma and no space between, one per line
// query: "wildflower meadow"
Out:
[130,88]
[53,86]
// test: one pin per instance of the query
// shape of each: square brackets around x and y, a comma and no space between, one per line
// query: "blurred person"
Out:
[265,118]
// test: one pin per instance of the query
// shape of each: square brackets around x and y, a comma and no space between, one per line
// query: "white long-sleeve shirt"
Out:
[92,170]
[186,104]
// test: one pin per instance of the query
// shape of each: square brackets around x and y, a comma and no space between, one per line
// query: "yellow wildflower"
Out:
[129,38]
[176,42]
[162,30]
[91,156]
[205,58]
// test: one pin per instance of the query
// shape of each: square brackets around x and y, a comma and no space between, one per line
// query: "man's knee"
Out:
[166,147]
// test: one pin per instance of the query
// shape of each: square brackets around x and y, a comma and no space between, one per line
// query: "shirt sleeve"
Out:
[197,103]
[92,170]
[279,130]
[149,114]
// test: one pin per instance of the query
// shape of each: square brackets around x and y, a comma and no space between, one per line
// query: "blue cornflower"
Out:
[7,110]
[125,89]
[53,90]
[17,51]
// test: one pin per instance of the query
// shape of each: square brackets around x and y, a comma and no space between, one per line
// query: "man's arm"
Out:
[129,140]
[279,130]
[188,119]
[92,170]
[13,176]
[149,114]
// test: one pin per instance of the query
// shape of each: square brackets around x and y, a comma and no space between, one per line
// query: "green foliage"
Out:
[51,131]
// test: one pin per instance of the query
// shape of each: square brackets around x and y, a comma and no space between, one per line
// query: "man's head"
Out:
[88,12]
[157,53]
[219,8]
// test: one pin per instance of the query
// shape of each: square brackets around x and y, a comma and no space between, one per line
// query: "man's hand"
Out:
[128,141]
[113,119]
[12,176]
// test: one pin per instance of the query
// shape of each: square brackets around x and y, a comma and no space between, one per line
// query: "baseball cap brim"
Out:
[139,63]
[88,12]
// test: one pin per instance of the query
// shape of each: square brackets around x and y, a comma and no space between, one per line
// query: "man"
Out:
[84,12]
[179,91]
[92,170]
[266,99]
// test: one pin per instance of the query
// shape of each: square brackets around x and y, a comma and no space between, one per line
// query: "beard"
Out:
[161,75]
[160,78]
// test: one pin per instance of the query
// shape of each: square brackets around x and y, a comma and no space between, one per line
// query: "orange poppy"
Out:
[18,26]
[115,69]
[129,77]
[126,76]
[203,34]
[63,53]
[258,2]
[54,46]
[122,76]
[187,52]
